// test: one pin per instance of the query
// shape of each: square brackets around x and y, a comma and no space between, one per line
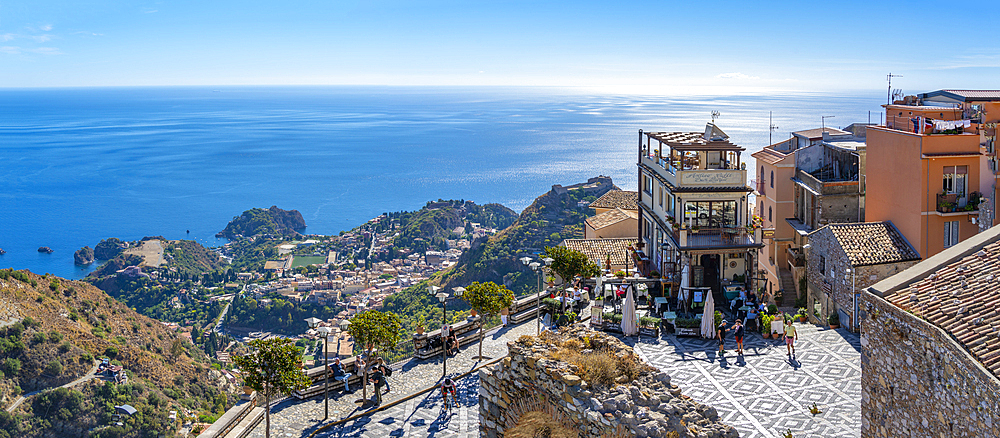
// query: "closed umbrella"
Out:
[708,318]
[682,296]
[630,326]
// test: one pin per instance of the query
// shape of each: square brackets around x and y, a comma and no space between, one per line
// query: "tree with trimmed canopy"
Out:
[273,366]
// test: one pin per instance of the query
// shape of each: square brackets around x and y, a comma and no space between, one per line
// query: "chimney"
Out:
[826,135]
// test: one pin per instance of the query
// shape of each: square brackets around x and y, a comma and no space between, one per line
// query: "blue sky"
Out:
[643,47]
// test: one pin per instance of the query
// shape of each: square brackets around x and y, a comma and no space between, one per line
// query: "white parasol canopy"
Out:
[682,295]
[708,318]
[630,326]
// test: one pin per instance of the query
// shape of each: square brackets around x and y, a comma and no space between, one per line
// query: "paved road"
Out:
[90,375]
[294,418]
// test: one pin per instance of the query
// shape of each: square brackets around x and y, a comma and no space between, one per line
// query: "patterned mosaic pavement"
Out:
[764,393]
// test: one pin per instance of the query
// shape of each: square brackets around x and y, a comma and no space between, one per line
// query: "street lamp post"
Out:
[854,283]
[443,298]
[325,332]
[538,268]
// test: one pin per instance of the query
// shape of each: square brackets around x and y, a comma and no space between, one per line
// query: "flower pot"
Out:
[803,319]
[834,326]
[472,312]
[247,390]
[420,330]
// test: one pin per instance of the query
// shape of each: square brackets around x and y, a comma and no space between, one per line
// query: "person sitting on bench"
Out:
[338,373]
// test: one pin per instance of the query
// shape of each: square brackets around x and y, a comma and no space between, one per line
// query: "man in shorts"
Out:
[791,335]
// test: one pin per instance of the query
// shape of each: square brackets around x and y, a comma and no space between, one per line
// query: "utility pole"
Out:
[770,128]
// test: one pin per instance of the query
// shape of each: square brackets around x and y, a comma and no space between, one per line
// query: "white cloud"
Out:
[736,75]
[46,51]
[46,27]
[10,50]
[7,37]
[41,38]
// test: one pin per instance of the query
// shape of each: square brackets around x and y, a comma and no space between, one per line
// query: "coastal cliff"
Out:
[83,256]
[258,221]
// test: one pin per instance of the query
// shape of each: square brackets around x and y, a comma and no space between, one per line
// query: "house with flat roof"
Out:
[933,167]
[694,207]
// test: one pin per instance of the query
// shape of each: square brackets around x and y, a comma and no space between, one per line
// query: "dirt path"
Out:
[90,375]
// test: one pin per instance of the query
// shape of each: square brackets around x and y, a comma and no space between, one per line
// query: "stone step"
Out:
[246,425]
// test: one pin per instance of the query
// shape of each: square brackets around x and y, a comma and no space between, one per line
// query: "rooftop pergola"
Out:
[686,148]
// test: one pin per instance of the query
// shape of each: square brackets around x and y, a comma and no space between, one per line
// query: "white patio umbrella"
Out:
[708,318]
[682,295]
[630,326]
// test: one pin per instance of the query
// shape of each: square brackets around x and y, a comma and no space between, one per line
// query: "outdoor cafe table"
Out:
[659,301]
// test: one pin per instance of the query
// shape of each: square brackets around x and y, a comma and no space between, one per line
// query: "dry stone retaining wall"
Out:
[530,379]
[917,381]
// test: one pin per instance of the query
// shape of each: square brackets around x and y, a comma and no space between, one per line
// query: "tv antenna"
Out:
[771,127]
[715,115]
[823,121]
[888,95]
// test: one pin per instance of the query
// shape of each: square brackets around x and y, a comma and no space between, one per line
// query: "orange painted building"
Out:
[775,198]
[931,169]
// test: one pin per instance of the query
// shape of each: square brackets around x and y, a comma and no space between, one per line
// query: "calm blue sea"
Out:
[79,165]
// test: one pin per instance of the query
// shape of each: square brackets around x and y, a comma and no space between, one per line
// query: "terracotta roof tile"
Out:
[625,200]
[597,250]
[611,217]
[963,298]
[873,243]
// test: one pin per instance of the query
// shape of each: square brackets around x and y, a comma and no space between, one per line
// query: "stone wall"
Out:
[531,381]
[917,381]
[838,293]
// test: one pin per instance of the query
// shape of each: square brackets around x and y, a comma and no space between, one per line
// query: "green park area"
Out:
[307,260]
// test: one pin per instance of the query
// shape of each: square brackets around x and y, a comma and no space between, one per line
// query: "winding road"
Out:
[90,375]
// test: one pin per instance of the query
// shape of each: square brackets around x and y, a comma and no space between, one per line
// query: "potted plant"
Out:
[802,315]
[772,309]
[421,322]
[649,326]
[834,320]
[687,326]
[695,229]
[765,324]
[550,305]
[620,274]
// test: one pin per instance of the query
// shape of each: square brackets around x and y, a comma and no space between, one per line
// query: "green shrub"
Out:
[54,368]
[38,338]
[11,366]
[55,336]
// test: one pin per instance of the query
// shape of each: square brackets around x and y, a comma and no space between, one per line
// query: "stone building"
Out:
[843,259]
[931,346]
[623,199]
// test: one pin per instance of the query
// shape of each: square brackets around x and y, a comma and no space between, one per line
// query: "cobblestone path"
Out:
[419,417]
[764,393]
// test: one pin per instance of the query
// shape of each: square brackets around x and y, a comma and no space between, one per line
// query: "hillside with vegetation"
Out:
[54,331]
[435,223]
[258,221]
[552,217]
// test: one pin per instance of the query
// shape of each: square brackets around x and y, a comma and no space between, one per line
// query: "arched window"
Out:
[769,214]
[772,179]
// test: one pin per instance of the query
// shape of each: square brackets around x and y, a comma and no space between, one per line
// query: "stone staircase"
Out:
[790,290]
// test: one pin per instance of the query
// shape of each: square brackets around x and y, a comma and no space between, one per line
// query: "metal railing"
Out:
[720,237]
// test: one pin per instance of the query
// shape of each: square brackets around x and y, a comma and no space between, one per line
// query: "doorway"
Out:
[710,275]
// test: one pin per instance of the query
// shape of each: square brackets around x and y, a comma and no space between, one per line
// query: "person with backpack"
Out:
[377,379]
[387,372]
[721,336]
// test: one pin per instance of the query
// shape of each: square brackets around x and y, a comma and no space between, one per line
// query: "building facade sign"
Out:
[712,177]
[727,196]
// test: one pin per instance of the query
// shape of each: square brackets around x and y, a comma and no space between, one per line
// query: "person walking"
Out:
[791,335]
[338,373]
[377,379]
[738,329]
[721,335]
[504,313]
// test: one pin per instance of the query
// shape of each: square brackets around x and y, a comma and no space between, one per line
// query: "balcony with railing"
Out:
[713,238]
[796,257]
[957,203]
